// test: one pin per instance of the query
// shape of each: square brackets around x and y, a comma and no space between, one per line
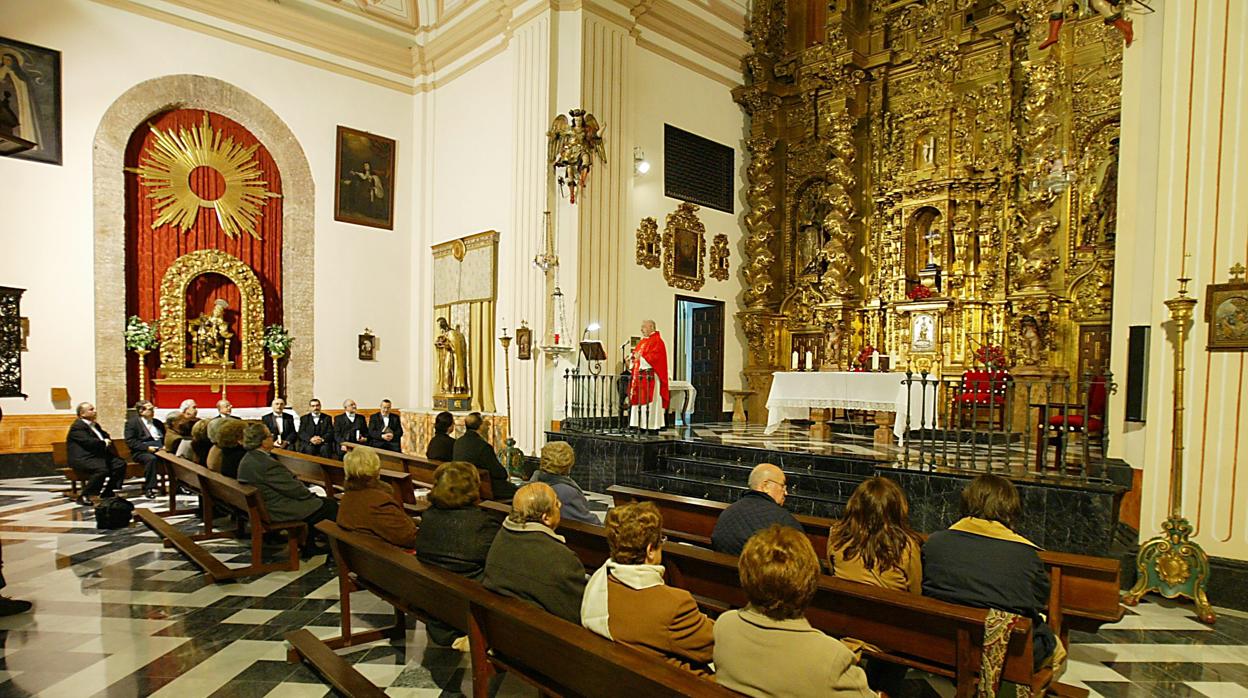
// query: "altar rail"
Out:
[599,403]
[995,422]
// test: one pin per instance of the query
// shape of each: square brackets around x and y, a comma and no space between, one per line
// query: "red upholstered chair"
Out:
[1087,418]
[983,392]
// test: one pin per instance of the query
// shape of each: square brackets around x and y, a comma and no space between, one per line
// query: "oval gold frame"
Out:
[178,276]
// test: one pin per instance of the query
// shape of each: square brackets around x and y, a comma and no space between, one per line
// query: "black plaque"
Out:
[697,169]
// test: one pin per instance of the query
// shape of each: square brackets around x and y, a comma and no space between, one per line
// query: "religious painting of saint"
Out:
[524,343]
[922,333]
[364,191]
[30,86]
[1227,313]
[688,255]
[367,346]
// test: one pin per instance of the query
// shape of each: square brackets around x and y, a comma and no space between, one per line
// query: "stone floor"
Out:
[116,614]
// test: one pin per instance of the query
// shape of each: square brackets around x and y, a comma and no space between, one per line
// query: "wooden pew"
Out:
[217,489]
[558,657]
[332,476]
[422,469]
[1084,590]
[60,459]
[935,636]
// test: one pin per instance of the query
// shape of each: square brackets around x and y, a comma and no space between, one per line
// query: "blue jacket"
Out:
[749,515]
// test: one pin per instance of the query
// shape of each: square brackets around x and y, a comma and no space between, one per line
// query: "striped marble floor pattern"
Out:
[117,614]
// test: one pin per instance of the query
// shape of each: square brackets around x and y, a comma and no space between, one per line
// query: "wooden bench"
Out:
[422,469]
[1084,590]
[934,636]
[558,657]
[331,475]
[60,459]
[216,489]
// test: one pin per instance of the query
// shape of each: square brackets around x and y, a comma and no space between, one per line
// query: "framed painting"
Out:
[30,85]
[364,191]
[684,242]
[1227,313]
[524,343]
[367,344]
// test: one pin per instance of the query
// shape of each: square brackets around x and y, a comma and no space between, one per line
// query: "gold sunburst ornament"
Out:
[167,170]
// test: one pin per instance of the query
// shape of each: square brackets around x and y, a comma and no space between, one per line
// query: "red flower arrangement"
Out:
[991,356]
[919,293]
[863,361]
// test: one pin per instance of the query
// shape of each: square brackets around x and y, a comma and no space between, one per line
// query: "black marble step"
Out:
[859,464]
[720,491]
[822,483]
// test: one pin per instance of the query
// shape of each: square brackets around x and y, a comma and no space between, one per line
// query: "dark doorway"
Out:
[699,354]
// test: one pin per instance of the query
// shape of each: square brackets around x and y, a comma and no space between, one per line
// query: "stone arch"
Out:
[127,113]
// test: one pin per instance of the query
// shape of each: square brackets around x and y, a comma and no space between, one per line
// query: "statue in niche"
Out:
[811,235]
[452,359]
[210,336]
[926,151]
[1031,346]
[1100,223]
[832,338]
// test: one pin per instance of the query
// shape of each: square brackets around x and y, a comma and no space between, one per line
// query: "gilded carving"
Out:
[684,248]
[719,258]
[173,323]
[648,250]
[759,228]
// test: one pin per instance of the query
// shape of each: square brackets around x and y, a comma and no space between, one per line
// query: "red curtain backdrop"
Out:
[150,252]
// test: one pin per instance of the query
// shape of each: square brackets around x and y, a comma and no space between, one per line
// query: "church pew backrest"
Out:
[60,452]
[1085,589]
[422,469]
[332,475]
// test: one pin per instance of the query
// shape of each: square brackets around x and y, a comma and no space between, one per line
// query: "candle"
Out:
[794,361]
[810,360]
[875,361]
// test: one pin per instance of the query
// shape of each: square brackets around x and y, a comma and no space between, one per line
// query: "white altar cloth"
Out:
[793,394]
[684,395]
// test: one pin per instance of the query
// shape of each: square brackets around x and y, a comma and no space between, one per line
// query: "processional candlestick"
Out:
[1172,564]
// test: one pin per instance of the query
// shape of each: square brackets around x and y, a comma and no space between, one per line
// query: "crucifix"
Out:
[932,237]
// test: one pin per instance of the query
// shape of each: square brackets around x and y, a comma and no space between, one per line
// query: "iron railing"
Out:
[600,403]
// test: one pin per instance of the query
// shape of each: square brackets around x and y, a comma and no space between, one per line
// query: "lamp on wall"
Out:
[640,164]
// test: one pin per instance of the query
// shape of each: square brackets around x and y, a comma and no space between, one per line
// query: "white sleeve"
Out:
[645,365]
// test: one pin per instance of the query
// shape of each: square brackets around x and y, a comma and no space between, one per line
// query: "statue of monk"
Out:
[452,359]
[210,336]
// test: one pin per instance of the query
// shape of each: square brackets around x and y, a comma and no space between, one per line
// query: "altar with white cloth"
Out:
[794,394]
[684,395]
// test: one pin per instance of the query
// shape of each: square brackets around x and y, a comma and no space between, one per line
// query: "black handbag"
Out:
[113,512]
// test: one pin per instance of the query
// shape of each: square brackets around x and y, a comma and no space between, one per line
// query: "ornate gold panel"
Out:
[172,323]
[648,253]
[684,248]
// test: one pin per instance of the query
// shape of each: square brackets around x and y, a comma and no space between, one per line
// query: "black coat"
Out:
[290,435]
[984,572]
[86,452]
[139,439]
[456,539]
[324,429]
[376,429]
[472,448]
[441,447]
[533,566]
[747,516]
[348,430]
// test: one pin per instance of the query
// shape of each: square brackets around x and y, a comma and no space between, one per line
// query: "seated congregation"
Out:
[516,546]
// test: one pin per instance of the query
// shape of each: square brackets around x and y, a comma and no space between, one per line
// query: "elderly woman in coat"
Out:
[557,461]
[368,504]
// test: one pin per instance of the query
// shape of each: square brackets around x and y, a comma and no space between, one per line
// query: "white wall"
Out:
[362,273]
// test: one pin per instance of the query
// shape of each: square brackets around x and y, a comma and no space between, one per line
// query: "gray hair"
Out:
[254,434]
[532,502]
[82,407]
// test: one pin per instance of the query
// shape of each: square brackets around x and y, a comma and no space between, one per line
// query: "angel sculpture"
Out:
[572,144]
[1110,10]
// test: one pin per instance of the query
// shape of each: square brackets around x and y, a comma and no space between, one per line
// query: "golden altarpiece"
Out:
[928,143]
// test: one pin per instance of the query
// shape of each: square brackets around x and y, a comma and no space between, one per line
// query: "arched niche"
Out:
[173,287]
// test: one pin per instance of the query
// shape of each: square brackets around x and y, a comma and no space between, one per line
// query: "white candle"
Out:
[810,360]
[875,361]
[794,361]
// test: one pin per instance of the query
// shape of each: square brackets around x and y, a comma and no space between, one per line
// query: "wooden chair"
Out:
[1060,419]
[982,393]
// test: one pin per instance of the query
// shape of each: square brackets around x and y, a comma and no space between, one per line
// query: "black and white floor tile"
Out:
[117,614]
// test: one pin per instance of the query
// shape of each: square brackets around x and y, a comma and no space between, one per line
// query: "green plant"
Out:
[139,335]
[277,340]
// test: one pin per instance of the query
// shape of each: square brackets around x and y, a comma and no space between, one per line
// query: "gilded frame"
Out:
[648,250]
[684,248]
[719,257]
[1226,314]
[172,324]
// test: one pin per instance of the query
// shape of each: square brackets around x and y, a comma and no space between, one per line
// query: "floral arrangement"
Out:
[919,293]
[277,340]
[139,335]
[863,361]
[991,356]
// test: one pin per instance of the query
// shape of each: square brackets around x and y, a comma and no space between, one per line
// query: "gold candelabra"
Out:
[277,375]
[1172,564]
[505,340]
[142,372]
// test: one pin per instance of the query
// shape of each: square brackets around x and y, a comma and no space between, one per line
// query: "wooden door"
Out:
[1093,350]
[706,345]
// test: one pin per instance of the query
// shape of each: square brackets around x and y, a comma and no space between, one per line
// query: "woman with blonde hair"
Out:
[557,461]
[368,504]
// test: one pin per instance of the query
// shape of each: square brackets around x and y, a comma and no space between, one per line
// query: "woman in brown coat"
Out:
[627,601]
[368,504]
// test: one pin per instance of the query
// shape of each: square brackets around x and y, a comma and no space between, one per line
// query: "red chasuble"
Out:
[654,351]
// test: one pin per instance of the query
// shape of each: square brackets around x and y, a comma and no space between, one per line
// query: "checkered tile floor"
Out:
[116,614]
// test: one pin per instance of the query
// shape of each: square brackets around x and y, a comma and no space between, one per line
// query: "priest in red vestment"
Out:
[648,406]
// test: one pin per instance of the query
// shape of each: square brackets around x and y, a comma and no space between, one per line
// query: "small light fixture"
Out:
[640,164]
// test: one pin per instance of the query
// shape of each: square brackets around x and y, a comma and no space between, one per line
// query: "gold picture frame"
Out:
[719,258]
[649,253]
[684,248]
[524,343]
[1226,312]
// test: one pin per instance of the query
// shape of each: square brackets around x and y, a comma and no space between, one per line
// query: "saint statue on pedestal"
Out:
[452,359]
[210,336]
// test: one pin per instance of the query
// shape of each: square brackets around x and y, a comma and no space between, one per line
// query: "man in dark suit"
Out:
[145,435]
[473,448]
[384,430]
[349,428]
[316,432]
[91,454]
[281,425]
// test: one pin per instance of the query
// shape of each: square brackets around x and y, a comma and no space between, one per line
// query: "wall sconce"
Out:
[640,164]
